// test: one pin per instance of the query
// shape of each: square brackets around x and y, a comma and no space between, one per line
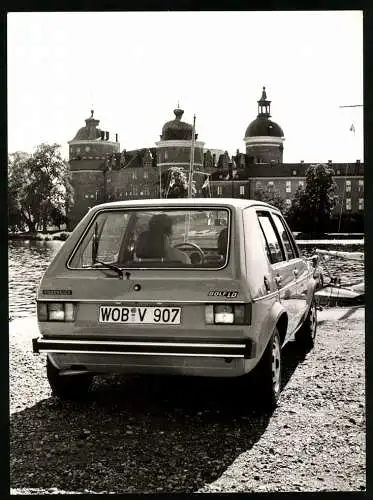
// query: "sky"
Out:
[133,68]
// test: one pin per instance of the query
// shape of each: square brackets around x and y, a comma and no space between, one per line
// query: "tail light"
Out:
[56,311]
[228,314]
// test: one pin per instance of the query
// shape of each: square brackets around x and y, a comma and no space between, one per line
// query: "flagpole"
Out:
[191,159]
[160,181]
[352,129]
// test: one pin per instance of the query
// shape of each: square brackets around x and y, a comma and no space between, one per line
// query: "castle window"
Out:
[219,190]
[146,191]
[288,186]
[294,172]
[361,185]
[361,203]
[301,184]
[348,203]
[91,195]
[86,196]
[135,190]
[78,150]
[258,185]
[270,186]
[87,149]
[146,175]
[348,186]
[134,175]
[242,190]
[165,155]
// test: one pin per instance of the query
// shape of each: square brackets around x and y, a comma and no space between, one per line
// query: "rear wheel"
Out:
[268,374]
[68,386]
[306,335]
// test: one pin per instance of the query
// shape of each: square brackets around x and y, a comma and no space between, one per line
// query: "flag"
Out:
[352,128]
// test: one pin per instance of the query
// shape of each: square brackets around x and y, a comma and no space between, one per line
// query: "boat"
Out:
[334,293]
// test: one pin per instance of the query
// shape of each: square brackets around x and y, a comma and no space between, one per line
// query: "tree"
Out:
[39,186]
[17,178]
[175,183]
[271,197]
[311,210]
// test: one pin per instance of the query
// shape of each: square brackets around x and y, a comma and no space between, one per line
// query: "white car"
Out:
[149,287]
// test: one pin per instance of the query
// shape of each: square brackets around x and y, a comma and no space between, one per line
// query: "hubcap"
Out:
[276,365]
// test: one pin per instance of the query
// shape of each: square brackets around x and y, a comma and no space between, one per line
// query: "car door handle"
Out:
[296,272]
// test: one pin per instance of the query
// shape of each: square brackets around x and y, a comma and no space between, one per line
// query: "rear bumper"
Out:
[222,348]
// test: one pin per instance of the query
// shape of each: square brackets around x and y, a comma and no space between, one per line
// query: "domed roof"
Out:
[90,132]
[176,129]
[262,125]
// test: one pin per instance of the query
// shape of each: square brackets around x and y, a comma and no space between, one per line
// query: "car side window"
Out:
[289,248]
[273,244]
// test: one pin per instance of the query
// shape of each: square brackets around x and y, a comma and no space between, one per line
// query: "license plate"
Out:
[140,315]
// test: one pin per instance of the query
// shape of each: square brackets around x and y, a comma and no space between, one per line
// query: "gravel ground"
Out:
[163,435]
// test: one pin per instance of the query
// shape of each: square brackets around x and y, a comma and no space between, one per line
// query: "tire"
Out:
[68,387]
[306,335]
[267,374]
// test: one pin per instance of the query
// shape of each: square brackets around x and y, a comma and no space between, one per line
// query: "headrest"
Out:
[161,223]
[222,241]
[150,245]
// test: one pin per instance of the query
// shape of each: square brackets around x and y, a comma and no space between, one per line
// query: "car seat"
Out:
[150,246]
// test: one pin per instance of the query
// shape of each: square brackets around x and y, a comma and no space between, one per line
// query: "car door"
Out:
[302,269]
[299,267]
[282,267]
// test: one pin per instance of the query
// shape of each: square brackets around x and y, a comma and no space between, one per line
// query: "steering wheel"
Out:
[193,245]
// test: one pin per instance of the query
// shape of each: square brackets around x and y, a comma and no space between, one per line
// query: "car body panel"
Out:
[247,278]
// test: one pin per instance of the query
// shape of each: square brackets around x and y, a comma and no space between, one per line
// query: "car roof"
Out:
[176,202]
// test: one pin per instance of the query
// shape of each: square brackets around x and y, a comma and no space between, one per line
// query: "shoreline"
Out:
[327,239]
[55,236]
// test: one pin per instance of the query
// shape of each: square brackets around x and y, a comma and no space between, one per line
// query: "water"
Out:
[29,259]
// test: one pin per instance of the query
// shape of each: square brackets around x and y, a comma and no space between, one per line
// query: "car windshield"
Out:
[166,238]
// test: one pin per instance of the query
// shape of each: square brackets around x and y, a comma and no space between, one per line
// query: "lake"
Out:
[27,261]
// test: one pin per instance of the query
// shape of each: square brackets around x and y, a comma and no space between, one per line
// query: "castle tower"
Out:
[264,138]
[87,153]
[174,148]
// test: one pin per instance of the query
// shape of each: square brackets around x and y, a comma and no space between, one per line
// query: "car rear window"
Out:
[175,238]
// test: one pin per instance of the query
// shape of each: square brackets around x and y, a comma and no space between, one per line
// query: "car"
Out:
[197,287]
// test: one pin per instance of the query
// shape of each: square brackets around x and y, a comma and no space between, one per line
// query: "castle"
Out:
[102,172]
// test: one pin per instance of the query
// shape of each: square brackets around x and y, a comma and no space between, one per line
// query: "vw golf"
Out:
[203,287]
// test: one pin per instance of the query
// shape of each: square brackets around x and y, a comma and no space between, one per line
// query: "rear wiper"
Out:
[110,265]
